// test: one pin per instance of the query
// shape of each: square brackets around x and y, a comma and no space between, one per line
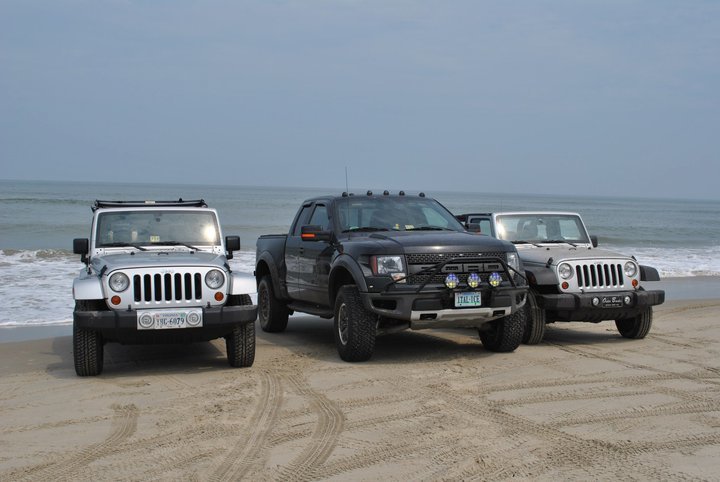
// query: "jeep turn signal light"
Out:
[115,300]
[635,283]
[219,296]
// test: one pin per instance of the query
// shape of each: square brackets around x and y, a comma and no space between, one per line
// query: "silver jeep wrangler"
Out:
[158,272]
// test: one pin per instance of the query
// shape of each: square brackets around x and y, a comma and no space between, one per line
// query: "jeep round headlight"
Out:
[630,269]
[565,271]
[119,282]
[214,279]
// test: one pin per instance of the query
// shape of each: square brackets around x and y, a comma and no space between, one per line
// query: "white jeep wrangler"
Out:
[157,272]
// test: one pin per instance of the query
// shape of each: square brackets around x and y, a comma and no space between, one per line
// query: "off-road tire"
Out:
[534,321]
[355,327]
[87,347]
[637,327]
[505,334]
[272,313]
[240,343]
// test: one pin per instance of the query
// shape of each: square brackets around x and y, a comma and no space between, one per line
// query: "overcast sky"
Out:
[618,98]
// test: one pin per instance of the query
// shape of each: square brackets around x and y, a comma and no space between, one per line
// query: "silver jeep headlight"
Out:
[565,271]
[119,282]
[214,279]
[630,269]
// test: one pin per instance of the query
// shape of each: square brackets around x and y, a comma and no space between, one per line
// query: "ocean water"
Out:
[38,221]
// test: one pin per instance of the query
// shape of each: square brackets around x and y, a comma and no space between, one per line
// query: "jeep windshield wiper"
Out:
[560,241]
[525,242]
[175,243]
[123,245]
[365,229]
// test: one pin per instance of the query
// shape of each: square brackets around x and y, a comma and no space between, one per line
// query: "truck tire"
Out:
[636,327]
[534,321]
[505,334]
[272,313]
[355,327]
[240,343]
[87,348]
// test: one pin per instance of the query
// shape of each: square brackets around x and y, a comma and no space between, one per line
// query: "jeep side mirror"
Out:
[232,243]
[81,246]
[314,232]
[594,240]
[473,227]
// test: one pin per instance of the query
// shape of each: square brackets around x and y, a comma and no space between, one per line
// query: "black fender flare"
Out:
[648,273]
[279,288]
[540,276]
[345,263]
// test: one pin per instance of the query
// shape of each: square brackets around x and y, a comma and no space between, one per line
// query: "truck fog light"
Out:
[451,281]
[146,320]
[473,280]
[219,296]
[115,300]
[627,300]
[596,301]
[193,318]
[494,279]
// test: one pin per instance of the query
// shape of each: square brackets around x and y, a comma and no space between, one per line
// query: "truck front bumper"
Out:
[434,308]
[122,325]
[595,307]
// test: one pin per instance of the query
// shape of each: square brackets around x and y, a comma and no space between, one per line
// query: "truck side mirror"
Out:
[314,232]
[232,243]
[594,240]
[81,246]
[473,227]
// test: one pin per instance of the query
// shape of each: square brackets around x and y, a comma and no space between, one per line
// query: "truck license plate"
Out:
[612,301]
[168,319]
[466,300]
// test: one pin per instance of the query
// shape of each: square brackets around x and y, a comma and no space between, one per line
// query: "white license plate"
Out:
[168,319]
[466,300]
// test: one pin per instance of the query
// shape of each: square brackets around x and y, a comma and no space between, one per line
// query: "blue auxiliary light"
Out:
[473,280]
[494,279]
[452,281]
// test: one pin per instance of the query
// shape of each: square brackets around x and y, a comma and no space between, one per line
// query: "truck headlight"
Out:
[387,265]
[119,282]
[565,271]
[214,279]
[630,269]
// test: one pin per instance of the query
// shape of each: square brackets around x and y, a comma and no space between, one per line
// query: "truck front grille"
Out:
[167,287]
[462,264]
[600,275]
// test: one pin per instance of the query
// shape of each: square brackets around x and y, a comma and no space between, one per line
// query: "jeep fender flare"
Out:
[242,284]
[266,259]
[345,268]
[540,276]
[89,288]
[648,273]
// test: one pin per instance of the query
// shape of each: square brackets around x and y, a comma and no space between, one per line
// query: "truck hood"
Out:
[435,241]
[156,259]
[541,255]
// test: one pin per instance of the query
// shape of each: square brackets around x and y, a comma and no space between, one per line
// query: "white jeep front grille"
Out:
[600,275]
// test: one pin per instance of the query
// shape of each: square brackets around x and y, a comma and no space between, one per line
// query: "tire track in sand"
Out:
[65,468]
[246,452]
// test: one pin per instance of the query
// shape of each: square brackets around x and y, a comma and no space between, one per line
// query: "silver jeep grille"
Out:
[600,275]
[167,287]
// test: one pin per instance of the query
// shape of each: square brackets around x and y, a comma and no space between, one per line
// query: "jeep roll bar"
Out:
[197,203]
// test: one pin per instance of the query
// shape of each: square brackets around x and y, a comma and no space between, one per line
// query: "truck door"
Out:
[293,246]
[314,261]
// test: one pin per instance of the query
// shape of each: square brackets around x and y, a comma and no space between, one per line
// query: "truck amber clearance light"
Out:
[219,296]
[307,236]
[115,300]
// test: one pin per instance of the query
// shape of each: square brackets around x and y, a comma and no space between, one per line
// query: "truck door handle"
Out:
[302,250]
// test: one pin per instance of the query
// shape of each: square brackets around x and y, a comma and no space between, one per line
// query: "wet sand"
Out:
[431,405]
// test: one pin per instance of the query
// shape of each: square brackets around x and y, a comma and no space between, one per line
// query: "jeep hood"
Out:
[436,241]
[156,259]
[541,255]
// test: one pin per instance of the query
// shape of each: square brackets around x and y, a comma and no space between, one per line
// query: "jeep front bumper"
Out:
[590,306]
[122,325]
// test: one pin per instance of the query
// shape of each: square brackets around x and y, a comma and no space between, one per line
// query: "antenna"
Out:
[346,181]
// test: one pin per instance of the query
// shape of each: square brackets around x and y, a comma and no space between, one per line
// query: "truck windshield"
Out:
[541,228]
[148,227]
[358,213]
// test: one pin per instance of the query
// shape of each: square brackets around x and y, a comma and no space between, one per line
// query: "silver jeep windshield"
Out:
[151,227]
[541,228]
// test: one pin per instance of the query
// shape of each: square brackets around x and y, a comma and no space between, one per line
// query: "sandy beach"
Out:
[431,405]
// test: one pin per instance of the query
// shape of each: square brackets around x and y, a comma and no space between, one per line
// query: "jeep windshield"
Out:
[157,228]
[367,214]
[528,228]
